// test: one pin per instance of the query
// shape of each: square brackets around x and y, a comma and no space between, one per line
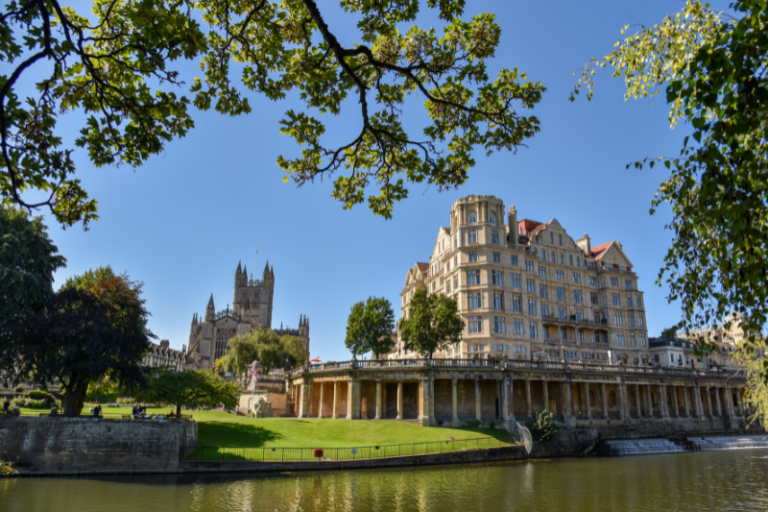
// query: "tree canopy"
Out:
[265,346]
[433,323]
[95,326]
[120,68]
[28,260]
[190,390]
[712,66]
[369,327]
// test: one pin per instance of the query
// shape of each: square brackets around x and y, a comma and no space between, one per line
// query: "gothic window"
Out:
[222,337]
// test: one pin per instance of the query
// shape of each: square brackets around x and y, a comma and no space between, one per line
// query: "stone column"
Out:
[545,393]
[709,403]
[675,401]
[697,402]
[528,406]
[399,400]
[353,399]
[424,402]
[301,410]
[455,401]
[717,402]
[622,392]
[322,400]
[604,400]
[511,398]
[649,397]
[478,409]
[378,400]
[586,399]
[637,402]
[432,420]
[661,389]
[335,399]
[568,399]
[308,399]
[685,402]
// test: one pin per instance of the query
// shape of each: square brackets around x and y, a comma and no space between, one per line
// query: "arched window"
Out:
[472,217]
[492,218]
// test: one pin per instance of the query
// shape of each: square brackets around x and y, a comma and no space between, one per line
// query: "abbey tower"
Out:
[251,308]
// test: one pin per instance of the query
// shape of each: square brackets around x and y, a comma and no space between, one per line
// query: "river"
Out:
[731,480]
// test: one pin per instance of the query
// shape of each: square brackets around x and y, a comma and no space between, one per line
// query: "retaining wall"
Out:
[74,446]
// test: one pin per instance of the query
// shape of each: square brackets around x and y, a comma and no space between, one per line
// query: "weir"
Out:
[624,447]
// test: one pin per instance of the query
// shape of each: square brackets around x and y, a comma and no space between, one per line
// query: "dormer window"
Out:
[472,217]
[492,218]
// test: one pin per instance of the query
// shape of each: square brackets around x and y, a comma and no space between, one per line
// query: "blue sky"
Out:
[183,221]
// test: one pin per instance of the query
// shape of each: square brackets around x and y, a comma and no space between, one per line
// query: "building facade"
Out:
[163,356]
[527,290]
[252,301]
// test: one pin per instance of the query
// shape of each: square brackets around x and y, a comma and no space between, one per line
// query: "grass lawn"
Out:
[218,428]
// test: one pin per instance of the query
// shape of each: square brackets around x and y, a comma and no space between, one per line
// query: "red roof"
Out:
[423,266]
[598,251]
[526,226]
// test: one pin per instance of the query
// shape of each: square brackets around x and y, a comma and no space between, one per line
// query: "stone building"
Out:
[526,289]
[622,400]
[251,308]
[163,355]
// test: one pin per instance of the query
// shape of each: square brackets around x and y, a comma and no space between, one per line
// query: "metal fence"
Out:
[215,453]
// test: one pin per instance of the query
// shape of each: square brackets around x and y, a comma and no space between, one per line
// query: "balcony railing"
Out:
[512,364]
[575,321]
[576,343]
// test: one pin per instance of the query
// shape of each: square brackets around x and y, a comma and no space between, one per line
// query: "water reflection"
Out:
[727,480]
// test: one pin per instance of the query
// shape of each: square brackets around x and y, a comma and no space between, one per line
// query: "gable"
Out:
[615,256]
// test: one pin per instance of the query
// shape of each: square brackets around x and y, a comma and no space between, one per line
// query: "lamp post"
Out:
[253,381]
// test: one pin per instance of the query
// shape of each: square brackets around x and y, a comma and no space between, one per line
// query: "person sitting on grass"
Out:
[6,405]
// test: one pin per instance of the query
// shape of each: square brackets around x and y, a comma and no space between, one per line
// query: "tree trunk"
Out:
[74,396]
[178,410]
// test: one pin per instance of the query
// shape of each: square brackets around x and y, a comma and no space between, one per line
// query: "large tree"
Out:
[95,326]
[28,260]
[369,327]
[119,68]
[713,67]
[265,346]
[190,390]
[433,323]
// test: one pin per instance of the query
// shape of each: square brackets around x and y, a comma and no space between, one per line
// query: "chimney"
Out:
[584,244]
[512,221]
[165,343]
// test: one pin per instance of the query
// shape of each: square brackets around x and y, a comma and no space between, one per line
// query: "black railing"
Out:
[217,453]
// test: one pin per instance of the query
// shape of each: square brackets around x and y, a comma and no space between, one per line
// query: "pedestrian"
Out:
[97,411]
[6,405]
[135,411]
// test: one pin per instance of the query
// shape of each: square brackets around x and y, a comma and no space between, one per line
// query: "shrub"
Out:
[19,389]
[542,426]
[38,394]
[38,404]
[18,402]
[125,400]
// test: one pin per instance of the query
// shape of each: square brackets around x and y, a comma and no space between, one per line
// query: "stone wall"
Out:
[73,446]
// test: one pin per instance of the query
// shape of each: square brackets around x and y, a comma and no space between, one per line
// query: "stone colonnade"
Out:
[445,397]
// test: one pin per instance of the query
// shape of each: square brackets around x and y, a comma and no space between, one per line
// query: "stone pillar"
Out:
[432,420]
[455,401]
[353,399]
[661,389]
[322,400]
[424,416]
[399,400]
[686,405]
[378,400]
[709,403]
[637,402]
[697,402]
[478,410]
[545,393]
[300,403]
[675,401]
[604,400]
[335,399]
[622,392]
[717,402]
[307,399]
[511,398]
[528,406]
[586,399]
[568,399]
[649,398]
